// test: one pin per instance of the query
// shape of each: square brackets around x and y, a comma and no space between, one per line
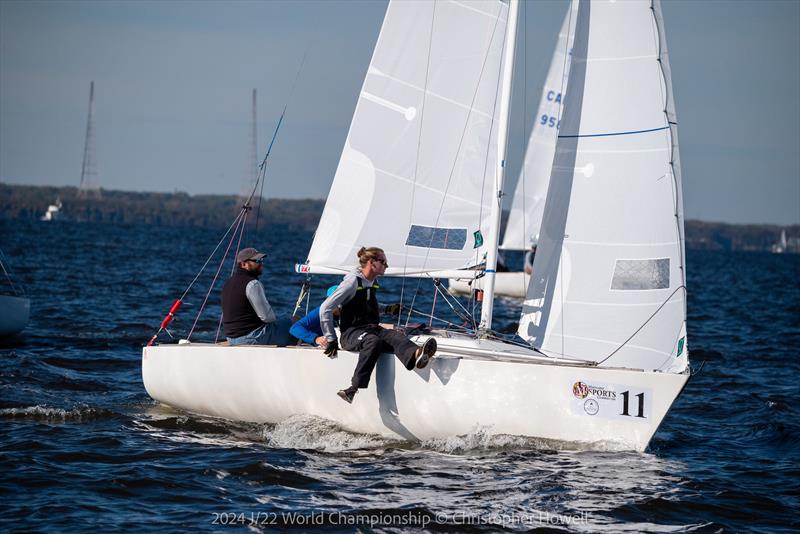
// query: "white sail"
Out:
[527,206]
[417,170]
[609,283]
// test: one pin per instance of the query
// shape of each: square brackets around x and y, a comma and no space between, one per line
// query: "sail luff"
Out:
[527,207]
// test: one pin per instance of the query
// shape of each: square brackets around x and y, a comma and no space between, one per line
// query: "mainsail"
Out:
[527,205]
[416,174]
[609,281]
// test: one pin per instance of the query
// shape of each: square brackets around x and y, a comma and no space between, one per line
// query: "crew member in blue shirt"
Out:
[309,329]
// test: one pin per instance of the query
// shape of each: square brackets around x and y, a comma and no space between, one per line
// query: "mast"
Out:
[88,147]
[493,237]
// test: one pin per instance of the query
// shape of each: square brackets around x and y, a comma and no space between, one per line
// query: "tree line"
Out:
[217,211]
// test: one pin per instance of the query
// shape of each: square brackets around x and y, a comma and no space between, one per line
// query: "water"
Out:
[85,448]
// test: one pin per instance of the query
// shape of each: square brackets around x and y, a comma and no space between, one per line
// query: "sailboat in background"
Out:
[527,207]
[53,212]
[15,307]
[604,317]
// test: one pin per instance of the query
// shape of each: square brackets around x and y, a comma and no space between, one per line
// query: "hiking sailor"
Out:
[247,317]
[359,323]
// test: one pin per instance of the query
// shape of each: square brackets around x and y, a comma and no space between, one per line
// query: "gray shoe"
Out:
[347,395]
[425,353]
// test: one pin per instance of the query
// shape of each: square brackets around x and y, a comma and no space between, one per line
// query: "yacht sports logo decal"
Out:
[580,390]
[611,401]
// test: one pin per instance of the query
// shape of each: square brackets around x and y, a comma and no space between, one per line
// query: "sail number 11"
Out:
[626,403]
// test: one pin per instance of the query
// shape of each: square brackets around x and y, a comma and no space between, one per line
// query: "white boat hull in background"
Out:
[510,394]
[509,284]
[14,314]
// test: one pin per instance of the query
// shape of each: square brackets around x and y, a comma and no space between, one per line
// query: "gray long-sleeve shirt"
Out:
[258,300]
[343,294]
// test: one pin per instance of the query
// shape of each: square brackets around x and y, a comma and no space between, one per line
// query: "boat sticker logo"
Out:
[611,401]
[681,341]
[580,390]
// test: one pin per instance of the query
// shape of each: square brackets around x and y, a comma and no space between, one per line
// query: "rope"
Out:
[233,267]
[235,222]
[642,326]
[214,281]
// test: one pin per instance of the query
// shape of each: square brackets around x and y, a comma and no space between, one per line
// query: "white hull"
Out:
[510,284]
[14,314]
[467,387]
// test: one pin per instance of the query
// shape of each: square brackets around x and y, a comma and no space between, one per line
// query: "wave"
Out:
[482,438]
[79,414]
[317,433]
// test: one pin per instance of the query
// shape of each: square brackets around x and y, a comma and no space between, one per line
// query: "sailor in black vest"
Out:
[359,324]
[247,317]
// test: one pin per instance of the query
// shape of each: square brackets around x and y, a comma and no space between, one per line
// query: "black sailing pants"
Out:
[372,340]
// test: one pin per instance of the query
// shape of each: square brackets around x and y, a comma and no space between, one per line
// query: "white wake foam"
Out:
[310,432]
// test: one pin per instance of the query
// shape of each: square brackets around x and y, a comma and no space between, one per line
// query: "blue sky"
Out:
[173,82]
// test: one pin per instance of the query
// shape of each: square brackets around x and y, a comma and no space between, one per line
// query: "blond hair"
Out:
[365,254]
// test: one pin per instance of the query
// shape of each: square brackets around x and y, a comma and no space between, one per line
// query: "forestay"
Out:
[609,272]
[416,173]
[525,217]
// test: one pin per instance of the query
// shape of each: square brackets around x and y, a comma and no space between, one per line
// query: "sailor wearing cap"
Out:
[247,317]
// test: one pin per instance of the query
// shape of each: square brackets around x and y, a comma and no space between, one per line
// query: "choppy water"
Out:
[85,448]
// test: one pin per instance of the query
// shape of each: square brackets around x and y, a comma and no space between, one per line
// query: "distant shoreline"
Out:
[28,202]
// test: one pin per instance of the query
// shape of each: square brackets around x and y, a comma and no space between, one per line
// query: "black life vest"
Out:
[362,309]
[238,316]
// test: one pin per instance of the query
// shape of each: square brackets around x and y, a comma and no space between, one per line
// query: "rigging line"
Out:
[643,324]
[445,321]
[523,174]
[461,142]
[263,166]
[235,222]
[466,316]
[416,164]
[213,283]
[233,267]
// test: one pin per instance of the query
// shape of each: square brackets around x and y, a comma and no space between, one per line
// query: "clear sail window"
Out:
[641,274]
[433,237]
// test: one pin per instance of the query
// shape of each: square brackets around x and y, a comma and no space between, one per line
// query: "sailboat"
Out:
[15,307]
[53,212]
[525,217]
[604,318]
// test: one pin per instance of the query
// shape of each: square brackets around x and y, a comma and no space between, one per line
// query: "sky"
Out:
[173,83]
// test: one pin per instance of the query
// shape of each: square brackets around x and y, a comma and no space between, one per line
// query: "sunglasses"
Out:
[259,261]
[381,260]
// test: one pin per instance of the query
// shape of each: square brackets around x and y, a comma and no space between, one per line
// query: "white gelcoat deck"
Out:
[510,284]
[452,396]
